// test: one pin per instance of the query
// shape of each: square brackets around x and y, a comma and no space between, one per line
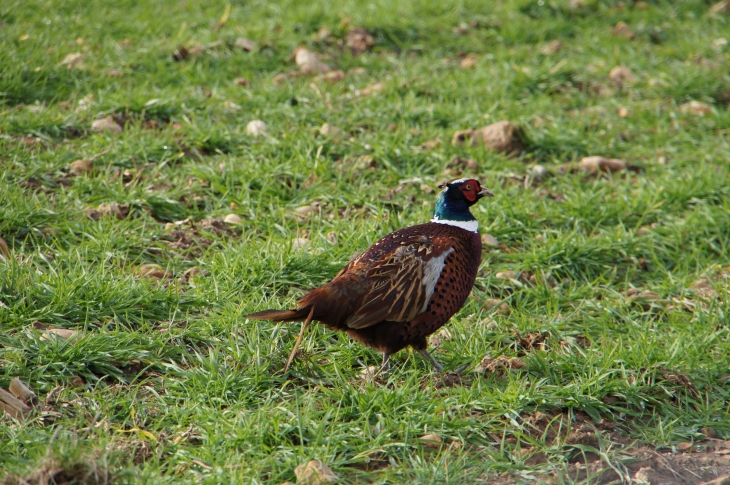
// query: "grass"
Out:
[168,382]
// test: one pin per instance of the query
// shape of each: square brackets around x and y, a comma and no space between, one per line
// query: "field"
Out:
[143,216]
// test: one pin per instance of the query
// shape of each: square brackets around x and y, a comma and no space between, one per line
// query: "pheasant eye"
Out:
[468,187]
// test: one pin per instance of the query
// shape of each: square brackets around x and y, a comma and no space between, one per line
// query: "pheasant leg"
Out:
[299,340]
[430,358]
[385,367]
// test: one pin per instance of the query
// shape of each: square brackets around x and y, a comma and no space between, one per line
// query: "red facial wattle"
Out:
[470,189]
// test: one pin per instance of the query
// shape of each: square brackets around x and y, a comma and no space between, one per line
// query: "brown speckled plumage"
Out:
[401,290]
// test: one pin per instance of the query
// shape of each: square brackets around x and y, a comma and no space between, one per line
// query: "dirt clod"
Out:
[551,48]
[489,240]
[314,472]
[491,365]
[496,305]
[645,476]
[359,40]
[503,137]
[308,62]
[603,164]
[621,76]
[152,271]
[106,125]
[80,167]
[245,44]
[431,440]
[73,61]
[256,128]
[233,219]
[622,29]
[696,108]
[120,211]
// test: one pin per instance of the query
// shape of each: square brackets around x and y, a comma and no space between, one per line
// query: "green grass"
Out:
[180,387]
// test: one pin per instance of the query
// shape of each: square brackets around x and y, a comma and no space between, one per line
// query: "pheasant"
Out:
[405,286]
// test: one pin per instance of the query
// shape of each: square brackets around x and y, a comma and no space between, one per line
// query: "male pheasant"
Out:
[405,286]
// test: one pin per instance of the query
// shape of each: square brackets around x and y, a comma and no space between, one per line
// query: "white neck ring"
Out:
[471,226]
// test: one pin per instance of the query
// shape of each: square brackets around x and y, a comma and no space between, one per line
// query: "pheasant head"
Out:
[454,201]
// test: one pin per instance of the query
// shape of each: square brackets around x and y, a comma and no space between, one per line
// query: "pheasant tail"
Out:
[281,315]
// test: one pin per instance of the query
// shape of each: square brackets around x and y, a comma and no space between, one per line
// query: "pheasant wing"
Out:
[403,281]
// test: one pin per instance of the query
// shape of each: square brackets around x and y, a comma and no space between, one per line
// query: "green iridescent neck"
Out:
[448,209]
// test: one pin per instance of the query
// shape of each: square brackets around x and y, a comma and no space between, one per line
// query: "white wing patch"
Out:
[471,226]
[431,274]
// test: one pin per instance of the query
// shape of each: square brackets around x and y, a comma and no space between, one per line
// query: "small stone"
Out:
[551,48]
[245,44]
[72,61]
[242,81]
[80,167]
[489,240]
[372,89]
[304,211]
[469,61]
[369,372]
[329,130]
[106,124]
[489,364]
[299,243]
[229,105]
[323,33]
[152,271]
[309,63]
[719,44]
[332,237]
[256,128]
[645,476]
[314,472]
[63,333]
[622,75]
[702,284]
[684,447]
[502,136]
[232,219]
[120,211]
[505,275]
[445,334]
[498,306]
[333,76]
[539,172]
[696,108]
[623,30]
[623,112]
[603,164]
[431,441]
[430,144]
[359,40]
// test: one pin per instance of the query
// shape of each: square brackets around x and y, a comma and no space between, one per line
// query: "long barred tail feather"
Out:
[281,315]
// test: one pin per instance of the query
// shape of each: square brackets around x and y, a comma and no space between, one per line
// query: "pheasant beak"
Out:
[484,193]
